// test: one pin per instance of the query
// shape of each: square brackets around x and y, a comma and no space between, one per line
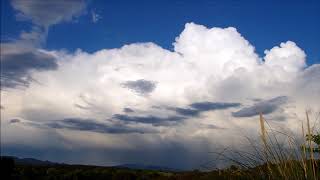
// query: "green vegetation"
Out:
[316,139]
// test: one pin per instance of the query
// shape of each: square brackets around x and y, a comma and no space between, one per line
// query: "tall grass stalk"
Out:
[285,158]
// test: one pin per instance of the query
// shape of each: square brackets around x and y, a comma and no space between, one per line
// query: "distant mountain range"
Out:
[36,162]
[147,167]
[30,161]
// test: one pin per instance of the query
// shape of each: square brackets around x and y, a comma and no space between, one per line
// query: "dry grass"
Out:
[279,155]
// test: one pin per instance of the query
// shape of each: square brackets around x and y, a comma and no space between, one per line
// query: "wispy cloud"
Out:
[94,126]
[95,17]
[47,13]
[264,107]
[89,125]
[195,109]
[154,120]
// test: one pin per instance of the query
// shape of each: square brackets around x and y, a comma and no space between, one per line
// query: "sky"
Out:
[153,82]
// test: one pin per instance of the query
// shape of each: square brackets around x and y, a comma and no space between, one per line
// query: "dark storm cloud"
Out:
[187,112]
[89,125]
[93,126]
[15,67]
[207,106]
[128,110]
[14,121]
[154,120]
[140,86]
[264,107]
[195,109]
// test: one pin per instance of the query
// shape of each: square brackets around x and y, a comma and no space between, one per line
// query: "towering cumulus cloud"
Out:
[156,105]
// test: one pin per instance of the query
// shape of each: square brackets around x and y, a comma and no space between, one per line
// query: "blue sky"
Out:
[153,82]
[264,24]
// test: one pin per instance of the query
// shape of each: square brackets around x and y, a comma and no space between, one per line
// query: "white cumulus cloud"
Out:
[188,97]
